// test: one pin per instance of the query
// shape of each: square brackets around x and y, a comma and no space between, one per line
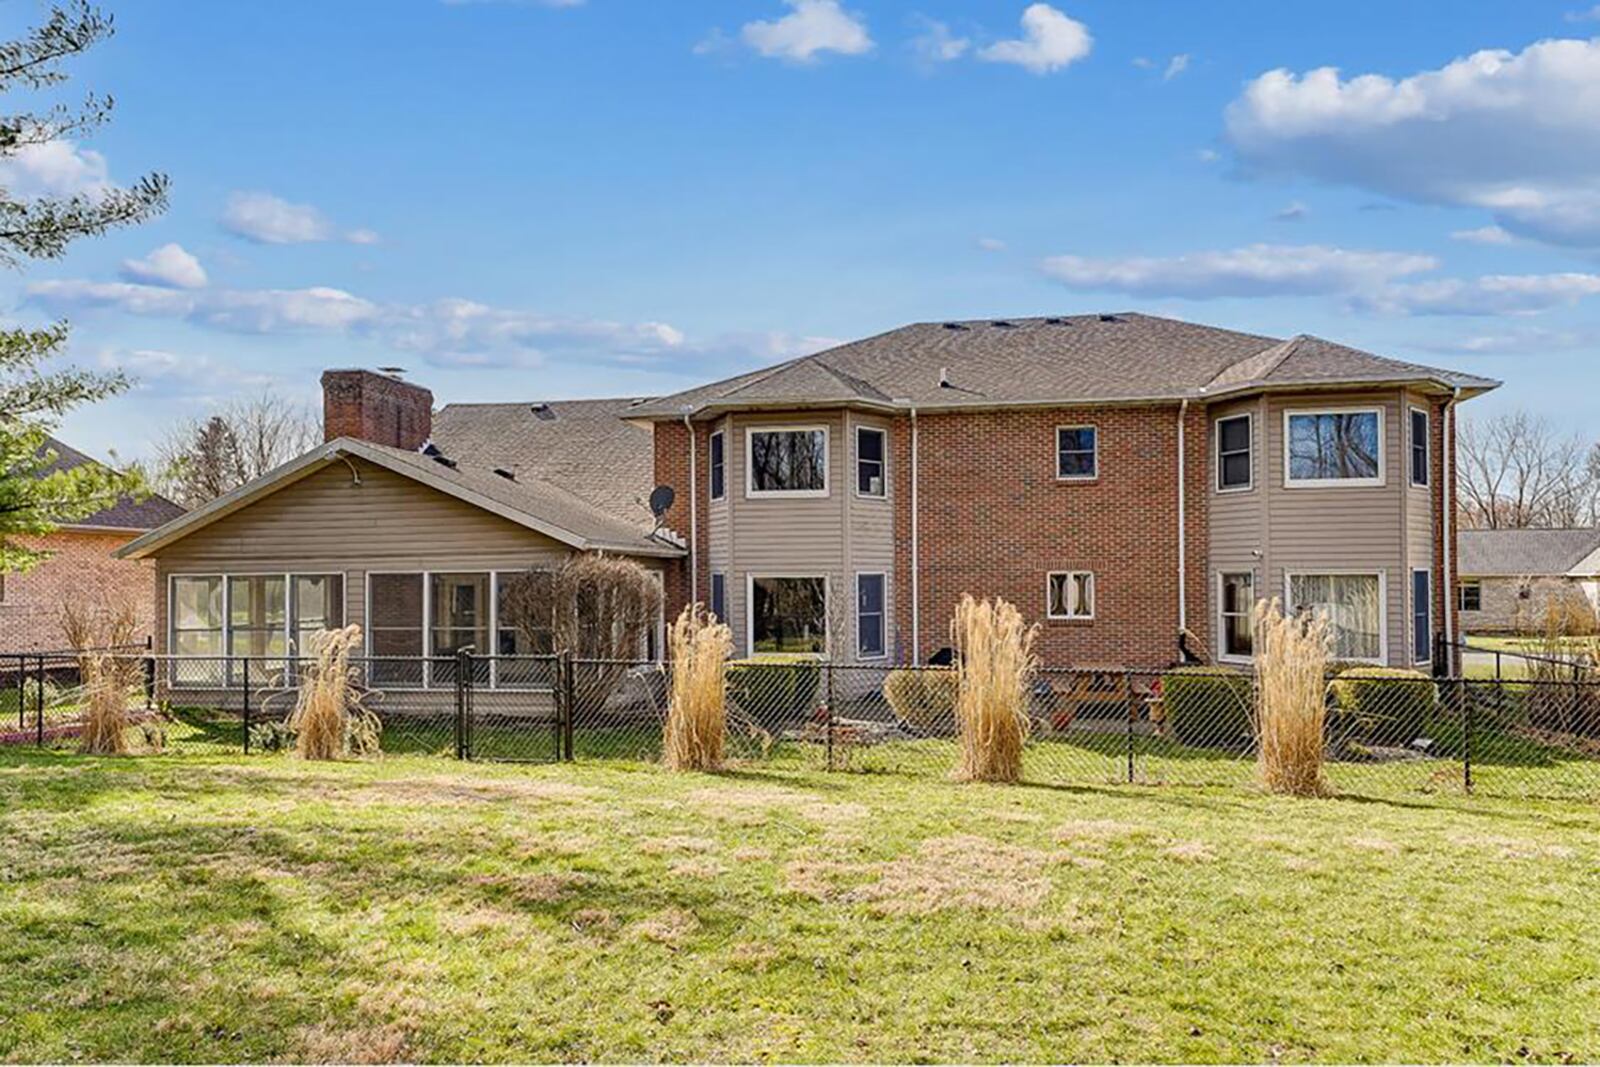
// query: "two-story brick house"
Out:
[1124,479]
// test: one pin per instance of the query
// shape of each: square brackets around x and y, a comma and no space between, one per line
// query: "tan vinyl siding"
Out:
[871,527]
[325,523]
[1419,517]
[1237,520]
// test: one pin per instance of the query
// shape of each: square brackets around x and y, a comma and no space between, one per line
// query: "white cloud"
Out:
[991,244]
[196,378]
[937,44]
[1535,340]
[54,169]
[171,265]
[1484,235]
[1175,66]
[813,26]
[1294,211]
[1050,41]
[1591,15]
[1494,294]
[1510,132]
[1255,270]
[268,219]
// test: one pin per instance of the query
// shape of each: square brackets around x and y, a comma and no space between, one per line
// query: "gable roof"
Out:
[582,446]
[530,502]
[1513,553]
[1124,357]
[127,513]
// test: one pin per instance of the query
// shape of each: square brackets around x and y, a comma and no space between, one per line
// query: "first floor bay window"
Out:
[789,615]
[1353,605]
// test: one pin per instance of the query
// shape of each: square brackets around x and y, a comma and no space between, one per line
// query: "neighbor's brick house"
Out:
[1038,460]
[81,569]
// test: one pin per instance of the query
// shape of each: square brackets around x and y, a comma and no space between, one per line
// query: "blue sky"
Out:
[522,200]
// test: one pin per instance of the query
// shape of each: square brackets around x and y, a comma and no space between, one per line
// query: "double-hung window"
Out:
[1070,595]
[1471,595]
[1233,453]
[1421,616]
[1419,447]
[1328,448]
[871,446]
[1235,604]
[870,629]
[719,466]
[1353,606]
[788,614]
[787,461]
[1077,453]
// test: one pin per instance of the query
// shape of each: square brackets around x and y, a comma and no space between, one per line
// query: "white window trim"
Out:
[1411,618]
[855,443]
[711,467]
[1461,587]
[1094,596]
[750,490]
[883,613]
[1382,659]
[1427,447]
[1249,486]
[1223,655]
[750,613]
[226,579]
[1055,454]
[1291,482]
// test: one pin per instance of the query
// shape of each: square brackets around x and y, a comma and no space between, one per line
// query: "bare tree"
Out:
[1514,471]
[201,459]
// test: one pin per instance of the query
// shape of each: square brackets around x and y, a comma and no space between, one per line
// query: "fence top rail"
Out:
[1532,657]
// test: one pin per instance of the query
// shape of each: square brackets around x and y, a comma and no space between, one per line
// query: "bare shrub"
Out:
[1291,658]
[995,665]
[330,719]
[93,632]
[697,704]
[1568,654]
[923,698]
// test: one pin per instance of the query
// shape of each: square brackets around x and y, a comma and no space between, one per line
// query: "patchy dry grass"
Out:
[269,909]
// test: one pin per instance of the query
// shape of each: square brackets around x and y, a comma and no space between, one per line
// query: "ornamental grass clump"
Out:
[109,675]
[330,719]
[697,704]
[1291,659]
[995,666]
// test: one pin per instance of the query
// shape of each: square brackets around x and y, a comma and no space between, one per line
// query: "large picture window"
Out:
[1236,603]
[791,461]
[1353,604]
[870,635]
[1070,595]
[788,615]
[871,447]
[1077,453]
[1233,453]
[1334,447]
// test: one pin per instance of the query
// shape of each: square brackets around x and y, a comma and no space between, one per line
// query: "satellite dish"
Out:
[661,498]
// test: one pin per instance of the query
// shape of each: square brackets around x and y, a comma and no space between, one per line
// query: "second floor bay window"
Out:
[1335,447]
[788,461]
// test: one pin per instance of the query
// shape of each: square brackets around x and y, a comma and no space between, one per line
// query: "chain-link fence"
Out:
[1385,731]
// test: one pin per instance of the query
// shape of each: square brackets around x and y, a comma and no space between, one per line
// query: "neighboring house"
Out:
[1124,479]
[405,522]
[81,568]
[1509,578]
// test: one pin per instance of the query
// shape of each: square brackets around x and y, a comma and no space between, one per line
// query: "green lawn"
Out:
[222,908]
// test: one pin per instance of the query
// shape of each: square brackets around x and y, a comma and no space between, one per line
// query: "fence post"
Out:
[1133,712]
[22,693]
[1466,734]
[39,707]
[571,701]
[149,672]
[828,712]
[461,705]
[244,716]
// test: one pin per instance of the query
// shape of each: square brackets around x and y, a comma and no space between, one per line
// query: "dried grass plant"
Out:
[995,665]
[697,704]
[330,719]
[108,676]
[1291,661]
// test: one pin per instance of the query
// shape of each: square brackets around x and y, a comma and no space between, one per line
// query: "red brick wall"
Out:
[672,468]
[374,407]
[994,521]
[81,569]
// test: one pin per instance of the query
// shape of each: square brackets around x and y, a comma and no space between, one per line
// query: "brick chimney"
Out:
[375,407]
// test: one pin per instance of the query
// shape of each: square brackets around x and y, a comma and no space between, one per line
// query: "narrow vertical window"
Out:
[719,476]
[1237,601]
[1419,447]
[1421,616]
[1233,453]
[870,448]
[870,629]
[719,596]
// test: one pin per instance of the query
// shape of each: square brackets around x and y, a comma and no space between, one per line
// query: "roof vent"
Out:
[1058,322]
[445,461]
[509,476]
[944,378]
[431,449]
[543,412]
[1109,318]
[1003,324]
[954,326]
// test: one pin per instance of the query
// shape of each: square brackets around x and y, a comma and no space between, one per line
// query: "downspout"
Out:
[1447,497]
[1183,529]
[694,517]
[916,599]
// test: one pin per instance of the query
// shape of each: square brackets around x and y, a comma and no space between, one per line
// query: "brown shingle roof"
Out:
[1088,358]
[126,513]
